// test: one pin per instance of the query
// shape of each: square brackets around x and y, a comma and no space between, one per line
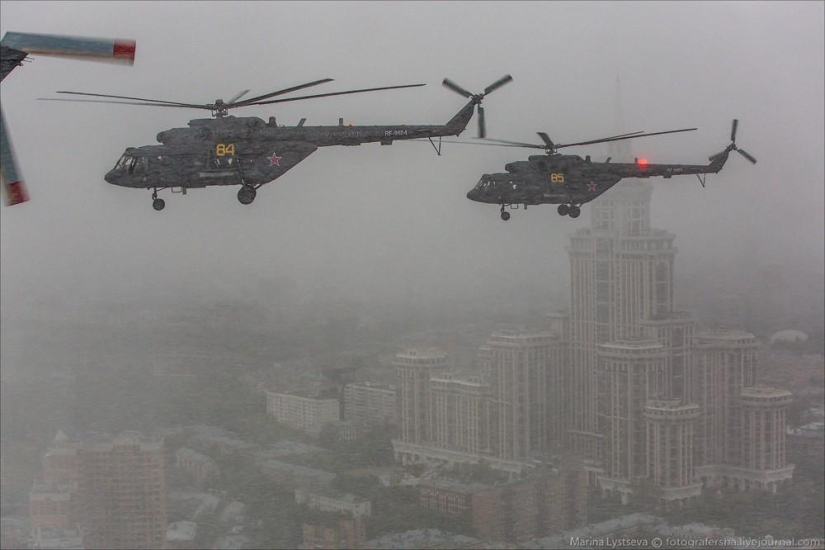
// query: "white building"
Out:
[370,404]
[329,502]
[309,414]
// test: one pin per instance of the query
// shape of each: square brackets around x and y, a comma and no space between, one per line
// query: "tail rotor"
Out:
[733,147]
[478,98]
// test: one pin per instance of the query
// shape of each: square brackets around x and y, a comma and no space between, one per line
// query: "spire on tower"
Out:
[620,151]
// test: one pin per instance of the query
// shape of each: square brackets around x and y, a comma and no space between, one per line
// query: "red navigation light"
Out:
[642,162]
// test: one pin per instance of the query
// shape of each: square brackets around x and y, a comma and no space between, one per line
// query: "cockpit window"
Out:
[132,164]
[123,162]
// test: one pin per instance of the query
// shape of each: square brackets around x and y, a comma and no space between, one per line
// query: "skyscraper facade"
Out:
[622,379]
[621,273]
[414,369]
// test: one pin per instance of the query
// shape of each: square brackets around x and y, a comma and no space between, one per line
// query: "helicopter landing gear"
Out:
[157,204]
[569,210]
[246,194]
[504,215]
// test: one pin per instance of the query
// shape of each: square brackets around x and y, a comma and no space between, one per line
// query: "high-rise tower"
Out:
[524,369]
[621,274]
[669,453]
[414,369]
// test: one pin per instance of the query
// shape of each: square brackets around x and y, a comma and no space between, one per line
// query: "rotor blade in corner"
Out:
[97,49]
[168,103]
[328,95]
[280,92]
[12,180]
[733,126]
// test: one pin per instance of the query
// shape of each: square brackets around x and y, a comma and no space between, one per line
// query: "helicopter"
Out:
[249,152]
[570,181]
[14,49]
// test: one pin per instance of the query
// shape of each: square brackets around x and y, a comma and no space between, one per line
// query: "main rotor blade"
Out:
[284,91]
[244,104]
[498,84]
[238,96]
[447,83]
[137,99]
[546,139]
[124,103]
[619,138]
[510,143]
[551,144]
[482,127]
[487,144]
[746,155]
[734,125]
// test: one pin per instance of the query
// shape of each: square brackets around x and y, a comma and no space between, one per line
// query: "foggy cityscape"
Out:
[363,358]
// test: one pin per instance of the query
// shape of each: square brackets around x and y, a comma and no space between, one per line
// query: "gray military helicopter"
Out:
[225,150]
[570,181]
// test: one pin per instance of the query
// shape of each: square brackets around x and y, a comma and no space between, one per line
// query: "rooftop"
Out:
[181,531]
[193,455]
[422,538]
[764,391]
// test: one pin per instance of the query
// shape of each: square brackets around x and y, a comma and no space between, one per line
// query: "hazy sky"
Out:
[394,220]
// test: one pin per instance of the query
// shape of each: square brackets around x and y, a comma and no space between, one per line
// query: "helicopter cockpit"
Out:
[130,164]
[487,186]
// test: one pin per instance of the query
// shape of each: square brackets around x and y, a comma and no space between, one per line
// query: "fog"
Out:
[192,324]
[392,224]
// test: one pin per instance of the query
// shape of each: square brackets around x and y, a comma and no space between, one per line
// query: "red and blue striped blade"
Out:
[114,49]
[12,181]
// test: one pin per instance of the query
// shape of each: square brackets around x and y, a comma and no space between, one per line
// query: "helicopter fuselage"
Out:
[248,151]
[569,179]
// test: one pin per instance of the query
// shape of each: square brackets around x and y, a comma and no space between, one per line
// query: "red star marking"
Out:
[591,186]
[273,160]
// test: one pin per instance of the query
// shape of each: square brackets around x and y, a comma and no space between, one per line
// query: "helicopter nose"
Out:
[111,177]
[472,194]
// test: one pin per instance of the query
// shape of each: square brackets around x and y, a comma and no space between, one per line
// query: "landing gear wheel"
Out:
[246,195]
[505,216]
[574,211]
[158,204]
[563,209]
